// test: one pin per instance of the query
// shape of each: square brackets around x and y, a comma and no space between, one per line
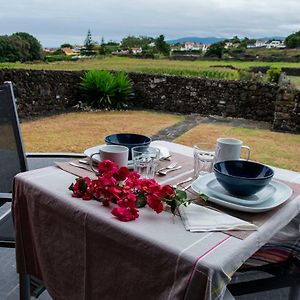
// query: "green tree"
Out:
[66,45]
[136,42]
[89,45]
[162,46]
[10,51]
[293,40]
[216,49]
[33,46]
[19,46]
[235,40]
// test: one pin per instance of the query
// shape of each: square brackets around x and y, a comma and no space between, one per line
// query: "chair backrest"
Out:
[12,155]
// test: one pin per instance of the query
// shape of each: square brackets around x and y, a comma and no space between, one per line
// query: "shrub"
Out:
[123,90]
[250,76]
[105,90]
[273,74]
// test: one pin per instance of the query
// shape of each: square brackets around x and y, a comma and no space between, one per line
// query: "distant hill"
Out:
[211,40]
[206,40]
[267,38]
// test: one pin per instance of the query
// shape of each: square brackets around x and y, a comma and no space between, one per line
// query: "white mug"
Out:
[115,153]
[229,149]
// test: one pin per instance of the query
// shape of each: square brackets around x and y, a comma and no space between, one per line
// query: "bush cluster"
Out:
[273,74]
[106,90]
[20,46]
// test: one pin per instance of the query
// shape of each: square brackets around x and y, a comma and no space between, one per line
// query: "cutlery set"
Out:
[84,164]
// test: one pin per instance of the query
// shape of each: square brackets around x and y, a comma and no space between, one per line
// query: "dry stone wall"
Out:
[205,96]
[44,92]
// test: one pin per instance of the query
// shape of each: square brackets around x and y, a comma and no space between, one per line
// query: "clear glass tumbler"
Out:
[145,160]
[204,154]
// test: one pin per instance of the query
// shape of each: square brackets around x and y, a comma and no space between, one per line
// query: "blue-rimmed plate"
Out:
[210,182]
[281,194]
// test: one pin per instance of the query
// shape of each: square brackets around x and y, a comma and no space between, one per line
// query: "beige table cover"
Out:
[81,251]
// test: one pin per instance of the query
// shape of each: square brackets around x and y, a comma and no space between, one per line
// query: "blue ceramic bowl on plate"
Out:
[129,140]
[242,177]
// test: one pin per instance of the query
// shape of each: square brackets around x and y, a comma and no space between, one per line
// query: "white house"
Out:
[193,46]
[276,44]
[136,50]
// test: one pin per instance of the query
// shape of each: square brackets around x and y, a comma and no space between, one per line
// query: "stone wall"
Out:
[205,96]
[287,110]
[44,92]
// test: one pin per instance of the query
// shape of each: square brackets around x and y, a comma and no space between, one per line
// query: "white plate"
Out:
[282,194]
[96,158]
[210,183]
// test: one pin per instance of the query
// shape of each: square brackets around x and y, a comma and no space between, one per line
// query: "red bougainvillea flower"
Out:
[127,190]
[81,188]
[155,203]
[121,174]
[167,192]
[125,214]
[107,166]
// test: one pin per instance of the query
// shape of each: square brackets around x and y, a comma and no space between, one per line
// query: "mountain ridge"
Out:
[211,40]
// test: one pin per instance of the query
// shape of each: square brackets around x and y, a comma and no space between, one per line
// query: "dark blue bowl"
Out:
[242,177]
[129,140]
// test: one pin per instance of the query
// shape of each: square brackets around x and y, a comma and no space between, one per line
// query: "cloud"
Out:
[54,22]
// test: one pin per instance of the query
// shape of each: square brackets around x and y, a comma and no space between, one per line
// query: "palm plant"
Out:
[99,87]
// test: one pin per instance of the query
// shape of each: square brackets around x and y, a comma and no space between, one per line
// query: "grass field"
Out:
[295,80]
[273,148]
[159,66]
[76,132]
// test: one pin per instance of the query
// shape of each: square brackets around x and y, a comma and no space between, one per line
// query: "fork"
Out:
[79,166]
[170,166]
[169,170]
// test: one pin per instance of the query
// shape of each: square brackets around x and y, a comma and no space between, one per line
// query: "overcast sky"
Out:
[54,22]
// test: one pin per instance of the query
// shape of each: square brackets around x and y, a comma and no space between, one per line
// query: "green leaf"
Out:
[174,205]
[71,187]
[181,195]
[203,197]
[82,185]
[141,201]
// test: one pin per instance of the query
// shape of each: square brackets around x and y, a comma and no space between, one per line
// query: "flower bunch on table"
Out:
[128,191]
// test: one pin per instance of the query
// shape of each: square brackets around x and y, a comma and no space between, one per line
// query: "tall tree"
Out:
[89,44]
[162,46]
[216,49]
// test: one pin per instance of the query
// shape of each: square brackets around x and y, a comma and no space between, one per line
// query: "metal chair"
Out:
[275,266]
[14,160]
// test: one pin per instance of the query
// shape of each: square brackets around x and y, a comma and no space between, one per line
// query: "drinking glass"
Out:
[145,160]
[204,154]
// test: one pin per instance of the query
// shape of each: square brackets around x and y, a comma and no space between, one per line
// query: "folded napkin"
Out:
[163,152]
[198,218]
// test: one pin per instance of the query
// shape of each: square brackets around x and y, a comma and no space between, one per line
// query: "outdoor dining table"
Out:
[81,251]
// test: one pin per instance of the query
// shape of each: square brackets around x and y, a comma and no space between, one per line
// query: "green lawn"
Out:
[159,66]
[295,80]
[274,148]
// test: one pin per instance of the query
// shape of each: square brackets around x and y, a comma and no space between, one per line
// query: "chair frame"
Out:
[7,197]
[25,280]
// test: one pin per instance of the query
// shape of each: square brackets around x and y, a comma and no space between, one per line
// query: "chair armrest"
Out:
[54,154]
